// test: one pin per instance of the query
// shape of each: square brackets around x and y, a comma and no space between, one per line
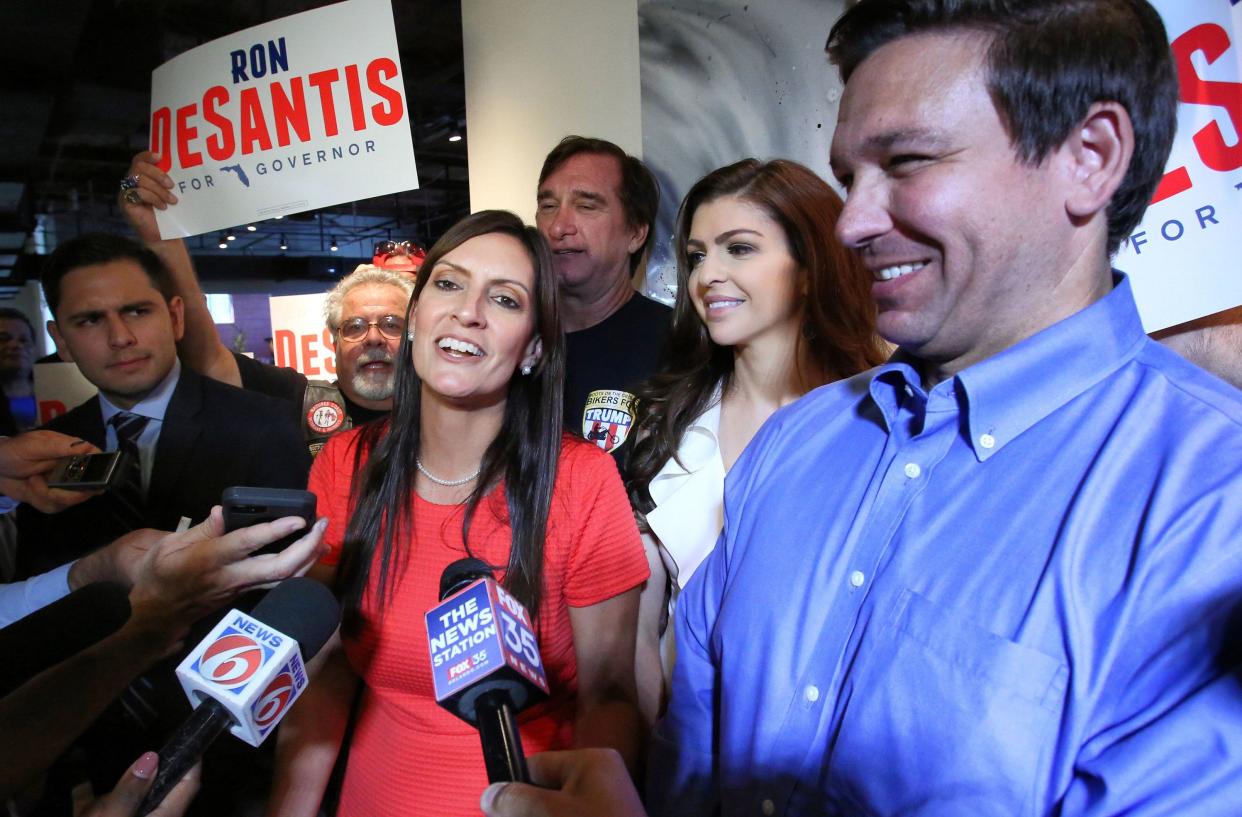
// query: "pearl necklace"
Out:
[447,483]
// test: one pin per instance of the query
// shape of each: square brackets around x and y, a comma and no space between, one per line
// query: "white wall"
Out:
[537,70]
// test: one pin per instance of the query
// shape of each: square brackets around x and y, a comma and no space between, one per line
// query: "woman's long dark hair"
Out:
[838,326]
[524,454]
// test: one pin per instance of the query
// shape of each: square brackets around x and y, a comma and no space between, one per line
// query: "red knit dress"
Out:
[409,757]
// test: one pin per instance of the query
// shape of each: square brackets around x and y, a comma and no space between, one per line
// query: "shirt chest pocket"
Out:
[941,717]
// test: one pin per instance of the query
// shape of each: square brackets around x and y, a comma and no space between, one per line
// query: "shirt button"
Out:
[768,808]
[857,578]
[913,470]
[987,441]
[812,693]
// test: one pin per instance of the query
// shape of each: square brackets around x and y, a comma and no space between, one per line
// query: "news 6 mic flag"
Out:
[299,113]
[1183,259]
[254,671]
[483,633]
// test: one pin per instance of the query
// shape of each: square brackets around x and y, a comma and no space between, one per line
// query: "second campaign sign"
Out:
[300,113]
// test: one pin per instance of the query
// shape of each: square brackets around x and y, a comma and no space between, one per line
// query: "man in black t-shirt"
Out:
[596,207]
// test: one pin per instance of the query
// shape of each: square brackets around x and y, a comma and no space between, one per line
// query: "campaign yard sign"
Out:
[300,337]
[1184,258]
[303,112]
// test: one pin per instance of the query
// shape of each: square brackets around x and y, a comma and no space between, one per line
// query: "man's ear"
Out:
[637,238]
[534,352]
[1098,151]
[61,346]
[176,311]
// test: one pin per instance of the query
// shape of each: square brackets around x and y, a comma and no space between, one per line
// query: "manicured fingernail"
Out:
[77,442]
[321,524]
[145,767]
[294,523]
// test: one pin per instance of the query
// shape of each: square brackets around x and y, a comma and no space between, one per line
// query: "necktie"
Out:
[130,498]
[137,701]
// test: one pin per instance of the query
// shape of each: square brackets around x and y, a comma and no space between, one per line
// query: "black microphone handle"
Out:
[502,745]
[184,749]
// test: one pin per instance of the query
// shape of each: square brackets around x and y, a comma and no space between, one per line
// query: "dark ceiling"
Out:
[75,98]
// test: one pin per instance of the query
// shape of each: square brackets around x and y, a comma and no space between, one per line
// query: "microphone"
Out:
[246,674]
[485,662]
[59,631]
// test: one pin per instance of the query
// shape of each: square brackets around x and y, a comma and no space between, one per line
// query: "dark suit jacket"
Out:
[214,436]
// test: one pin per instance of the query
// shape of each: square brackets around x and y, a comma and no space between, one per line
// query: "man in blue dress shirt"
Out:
[1001,574]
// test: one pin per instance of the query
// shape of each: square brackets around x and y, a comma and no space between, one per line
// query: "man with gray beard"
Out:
[366,314]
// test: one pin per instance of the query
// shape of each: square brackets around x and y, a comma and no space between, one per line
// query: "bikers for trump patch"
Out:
[607,418]
[325,417]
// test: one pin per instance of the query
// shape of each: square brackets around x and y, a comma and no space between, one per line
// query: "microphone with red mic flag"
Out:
[246,674]
[485,662]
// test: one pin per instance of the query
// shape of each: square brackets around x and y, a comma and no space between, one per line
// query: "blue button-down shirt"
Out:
[1018,593]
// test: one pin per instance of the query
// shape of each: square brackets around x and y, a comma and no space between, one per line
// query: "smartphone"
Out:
[244,507]
[89,472]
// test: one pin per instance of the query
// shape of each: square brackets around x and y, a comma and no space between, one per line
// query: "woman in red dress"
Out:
[472,462]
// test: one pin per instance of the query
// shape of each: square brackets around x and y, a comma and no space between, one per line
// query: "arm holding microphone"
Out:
[310,737]
[179,579]
[604,643]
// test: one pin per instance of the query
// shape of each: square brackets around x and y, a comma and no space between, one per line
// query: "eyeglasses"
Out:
[355,329]
[399,248]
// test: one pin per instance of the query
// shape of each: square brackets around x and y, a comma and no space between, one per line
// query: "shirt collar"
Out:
[1010,392]
[154,405]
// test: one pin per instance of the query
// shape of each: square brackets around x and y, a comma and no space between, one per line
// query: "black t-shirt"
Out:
[604,365]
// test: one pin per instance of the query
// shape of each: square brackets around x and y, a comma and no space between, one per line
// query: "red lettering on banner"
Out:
[309,354]
[391,114]
[323,81]
[220,145]
[290,112]
[285,345]
[354,86]
[185,133]
[1213,42]
[284,108]
[1214,152]
[161,138]
[253,125]
[329,360]
[49,409]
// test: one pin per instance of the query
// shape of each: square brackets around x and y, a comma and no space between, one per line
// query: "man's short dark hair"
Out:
[100,248]
[1048,62]
[8,313]
[640,192]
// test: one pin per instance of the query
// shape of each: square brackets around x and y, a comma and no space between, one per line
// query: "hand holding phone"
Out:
[245,506]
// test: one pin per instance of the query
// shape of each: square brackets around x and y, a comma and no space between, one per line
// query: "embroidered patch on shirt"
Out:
[607,418]
[325,417]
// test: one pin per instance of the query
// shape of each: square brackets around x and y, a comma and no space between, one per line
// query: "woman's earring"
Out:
[526,368]
[410,336]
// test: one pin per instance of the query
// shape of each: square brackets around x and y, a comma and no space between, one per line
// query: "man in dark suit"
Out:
[188,438]
[115,317]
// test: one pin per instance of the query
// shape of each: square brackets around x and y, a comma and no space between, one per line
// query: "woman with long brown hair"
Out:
[769,306]
[472,462]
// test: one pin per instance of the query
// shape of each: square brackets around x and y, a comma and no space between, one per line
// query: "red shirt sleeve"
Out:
[606,555]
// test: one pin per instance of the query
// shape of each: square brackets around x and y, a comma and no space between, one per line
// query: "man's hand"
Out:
[118,562]
[25,461]
[578,782]
[187,575]
[124,800]
[155,190]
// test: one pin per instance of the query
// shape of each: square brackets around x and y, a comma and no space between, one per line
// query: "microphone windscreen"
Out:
[302,609]
[59,631]
[461,573]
